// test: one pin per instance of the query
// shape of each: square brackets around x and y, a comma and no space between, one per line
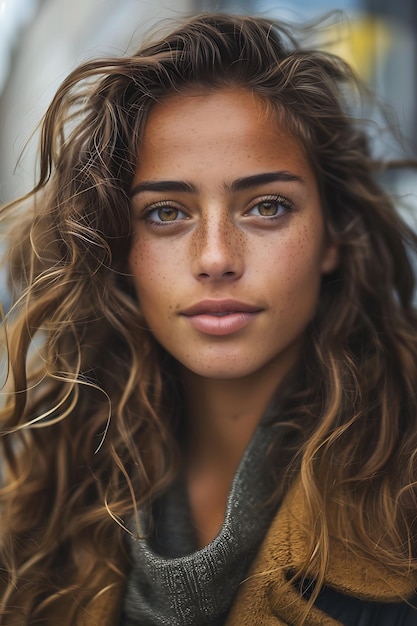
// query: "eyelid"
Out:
[149,208]
[278,198]
[159,204]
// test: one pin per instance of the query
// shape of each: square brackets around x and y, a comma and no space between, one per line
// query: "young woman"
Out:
[211,412]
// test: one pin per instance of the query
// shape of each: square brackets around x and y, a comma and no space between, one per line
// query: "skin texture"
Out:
[215,244]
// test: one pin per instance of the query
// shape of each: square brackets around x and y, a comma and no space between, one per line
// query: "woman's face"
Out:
[229,246]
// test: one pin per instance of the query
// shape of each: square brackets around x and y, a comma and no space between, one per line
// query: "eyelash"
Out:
[148,210]
[277,199]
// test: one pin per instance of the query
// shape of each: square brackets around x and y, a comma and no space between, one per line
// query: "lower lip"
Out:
[221,325]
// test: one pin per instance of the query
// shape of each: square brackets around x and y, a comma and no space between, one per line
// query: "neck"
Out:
[222,417]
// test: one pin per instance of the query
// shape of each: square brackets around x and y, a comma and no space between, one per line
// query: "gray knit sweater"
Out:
[174,584]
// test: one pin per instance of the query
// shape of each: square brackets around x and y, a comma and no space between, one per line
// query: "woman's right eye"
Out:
[164,214]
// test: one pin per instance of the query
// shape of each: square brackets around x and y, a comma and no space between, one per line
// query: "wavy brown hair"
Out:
[89,432]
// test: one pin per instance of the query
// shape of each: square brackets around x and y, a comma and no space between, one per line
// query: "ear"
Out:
[330,258]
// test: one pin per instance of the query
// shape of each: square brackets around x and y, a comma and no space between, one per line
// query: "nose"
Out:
[217,249]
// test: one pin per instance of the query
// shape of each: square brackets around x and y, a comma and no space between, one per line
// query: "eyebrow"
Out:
[240,184]
[163,185]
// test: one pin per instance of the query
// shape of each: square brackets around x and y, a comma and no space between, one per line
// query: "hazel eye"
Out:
[270,208]
[165,214]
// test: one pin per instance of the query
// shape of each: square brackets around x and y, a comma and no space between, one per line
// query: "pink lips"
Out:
[220,317]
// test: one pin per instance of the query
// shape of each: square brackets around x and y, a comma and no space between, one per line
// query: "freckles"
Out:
[227,235]
[148,273]
[197,242]
[234,238]
[241,242]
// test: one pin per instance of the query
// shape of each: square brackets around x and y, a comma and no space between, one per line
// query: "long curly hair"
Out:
[91,411]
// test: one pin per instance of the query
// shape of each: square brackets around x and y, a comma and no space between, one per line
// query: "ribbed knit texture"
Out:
[168,586]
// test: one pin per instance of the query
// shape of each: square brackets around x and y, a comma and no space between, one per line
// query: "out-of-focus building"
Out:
[58,36]
[42,40]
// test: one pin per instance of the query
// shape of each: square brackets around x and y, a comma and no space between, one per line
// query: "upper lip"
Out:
[206,307]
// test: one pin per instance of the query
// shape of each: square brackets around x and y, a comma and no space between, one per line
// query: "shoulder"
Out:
[352,587]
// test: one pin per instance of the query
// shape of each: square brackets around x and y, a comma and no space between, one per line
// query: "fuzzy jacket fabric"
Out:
[262,598]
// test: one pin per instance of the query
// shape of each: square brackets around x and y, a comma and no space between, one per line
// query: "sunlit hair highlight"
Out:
[93,404]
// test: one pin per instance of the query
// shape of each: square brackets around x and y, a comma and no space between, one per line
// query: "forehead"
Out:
[216,100]
[214,109]
[233,127]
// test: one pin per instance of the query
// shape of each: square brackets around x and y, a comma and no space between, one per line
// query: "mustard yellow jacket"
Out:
[262,599]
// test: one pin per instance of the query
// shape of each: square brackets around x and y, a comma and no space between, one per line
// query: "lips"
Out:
[220,308]
[220,317]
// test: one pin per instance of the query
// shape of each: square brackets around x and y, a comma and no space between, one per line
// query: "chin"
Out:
[217,370]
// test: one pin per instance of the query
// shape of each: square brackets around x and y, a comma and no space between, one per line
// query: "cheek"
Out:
[297,270]
[142,268]
[153,275]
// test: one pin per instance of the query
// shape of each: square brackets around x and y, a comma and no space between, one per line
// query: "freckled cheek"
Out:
[153,274]
[294,271]
[144,267]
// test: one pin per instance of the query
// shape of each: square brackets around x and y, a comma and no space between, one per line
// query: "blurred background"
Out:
[42,40]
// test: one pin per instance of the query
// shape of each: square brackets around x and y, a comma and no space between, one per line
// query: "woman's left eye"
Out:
[275,207]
